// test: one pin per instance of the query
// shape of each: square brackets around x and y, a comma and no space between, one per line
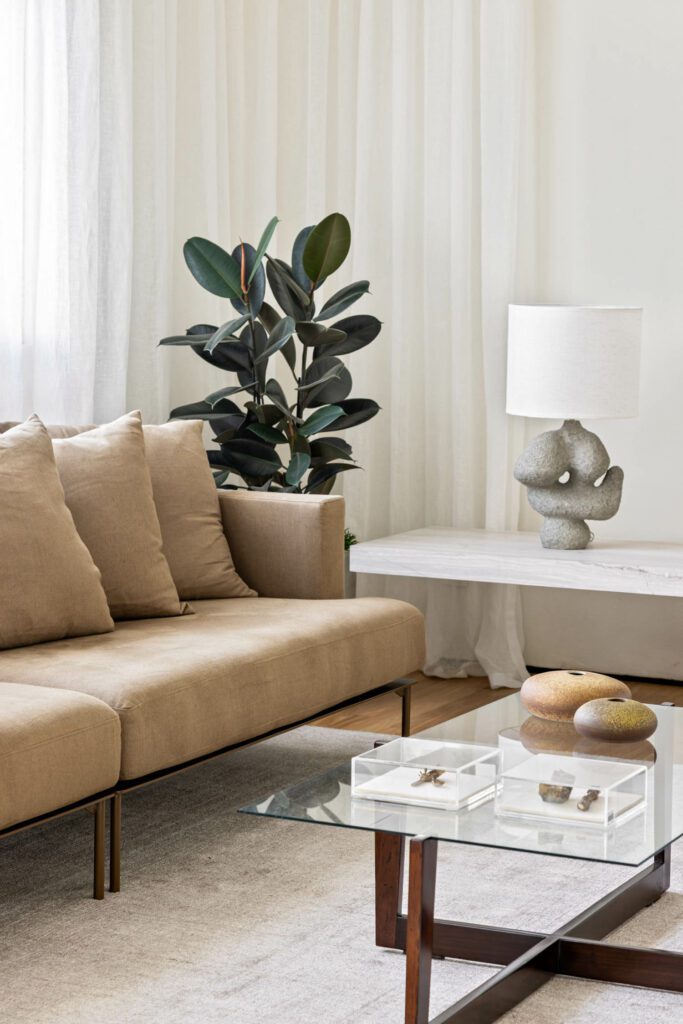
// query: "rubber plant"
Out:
[270,441]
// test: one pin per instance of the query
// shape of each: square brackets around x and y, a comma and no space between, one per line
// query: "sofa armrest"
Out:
[286,545]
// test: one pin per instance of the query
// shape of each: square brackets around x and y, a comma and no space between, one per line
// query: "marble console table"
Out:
[485,556]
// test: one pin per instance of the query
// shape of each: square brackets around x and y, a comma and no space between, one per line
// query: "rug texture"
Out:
[230,919]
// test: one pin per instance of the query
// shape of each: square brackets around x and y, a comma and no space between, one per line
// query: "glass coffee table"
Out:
[527,959]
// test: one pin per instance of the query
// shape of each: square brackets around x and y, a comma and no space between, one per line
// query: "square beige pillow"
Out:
[109,491]
[189,513]
[50,586]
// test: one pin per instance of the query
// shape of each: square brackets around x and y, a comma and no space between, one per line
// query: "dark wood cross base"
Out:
[528,959]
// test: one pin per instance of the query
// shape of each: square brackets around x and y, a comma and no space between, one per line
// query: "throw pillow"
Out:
[109,491]
[189,513]
[50,586]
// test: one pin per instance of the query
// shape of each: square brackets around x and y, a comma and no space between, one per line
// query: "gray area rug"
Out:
[229,918]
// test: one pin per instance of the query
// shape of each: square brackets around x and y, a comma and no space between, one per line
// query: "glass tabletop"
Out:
[522,802]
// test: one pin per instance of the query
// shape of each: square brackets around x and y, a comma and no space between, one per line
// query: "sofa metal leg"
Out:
[98,867]
[115,843]
[406,695]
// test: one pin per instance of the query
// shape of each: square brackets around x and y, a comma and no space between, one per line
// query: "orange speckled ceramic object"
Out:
[615,719]
[558,695]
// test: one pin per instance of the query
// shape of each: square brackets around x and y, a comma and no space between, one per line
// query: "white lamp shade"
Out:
[573,362]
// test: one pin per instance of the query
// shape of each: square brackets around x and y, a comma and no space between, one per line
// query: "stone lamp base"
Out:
[561,469]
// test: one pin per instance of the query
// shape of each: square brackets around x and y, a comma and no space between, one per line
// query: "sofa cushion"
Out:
[187,686]
[189,515]
[56,747]
[51,587]
[109,491]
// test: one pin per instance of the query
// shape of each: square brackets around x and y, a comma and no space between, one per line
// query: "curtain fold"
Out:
[132,124]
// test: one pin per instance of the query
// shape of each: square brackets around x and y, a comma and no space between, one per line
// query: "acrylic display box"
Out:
[466,773]
[548,787]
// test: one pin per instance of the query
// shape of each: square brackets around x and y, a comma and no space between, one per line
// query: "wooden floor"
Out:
[436,700]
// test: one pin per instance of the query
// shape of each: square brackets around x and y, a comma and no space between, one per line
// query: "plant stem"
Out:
[304,360]
[257,390]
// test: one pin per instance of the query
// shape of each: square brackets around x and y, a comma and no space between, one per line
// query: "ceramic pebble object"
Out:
[557,695]
[616,720]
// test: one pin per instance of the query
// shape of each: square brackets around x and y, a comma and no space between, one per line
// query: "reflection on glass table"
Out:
[656,785]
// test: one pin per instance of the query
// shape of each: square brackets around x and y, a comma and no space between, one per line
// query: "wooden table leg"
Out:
[389,850]
[421,884]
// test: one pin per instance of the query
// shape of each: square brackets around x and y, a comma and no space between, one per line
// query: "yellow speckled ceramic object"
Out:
[557,695]
[616,720]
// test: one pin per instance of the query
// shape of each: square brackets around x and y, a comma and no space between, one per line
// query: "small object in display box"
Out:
[572,790]
[426,773]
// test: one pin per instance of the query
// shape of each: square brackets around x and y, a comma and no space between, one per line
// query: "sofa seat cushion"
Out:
[239,667]
[56,747]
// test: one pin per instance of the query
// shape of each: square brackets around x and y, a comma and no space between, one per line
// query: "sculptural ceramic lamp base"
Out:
[561,469]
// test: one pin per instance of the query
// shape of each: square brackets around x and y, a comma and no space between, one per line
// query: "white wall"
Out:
[610,231]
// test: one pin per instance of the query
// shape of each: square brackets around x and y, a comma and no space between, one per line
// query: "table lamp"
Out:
[572,363]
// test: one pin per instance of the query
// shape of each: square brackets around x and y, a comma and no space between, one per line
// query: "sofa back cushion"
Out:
[189,513]
[109,491]
[50,586]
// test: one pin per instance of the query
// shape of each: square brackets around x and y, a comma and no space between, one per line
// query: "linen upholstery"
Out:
[186,501]
[109,491]
[56,747]
[187,686]
[286,545]
[51,587]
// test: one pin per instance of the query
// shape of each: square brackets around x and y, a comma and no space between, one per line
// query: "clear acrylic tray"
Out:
[462,774]
[572,790]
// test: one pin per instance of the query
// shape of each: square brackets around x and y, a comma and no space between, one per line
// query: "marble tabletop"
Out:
[627,567]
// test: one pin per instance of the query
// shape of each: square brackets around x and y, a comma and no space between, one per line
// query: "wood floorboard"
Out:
[436,700]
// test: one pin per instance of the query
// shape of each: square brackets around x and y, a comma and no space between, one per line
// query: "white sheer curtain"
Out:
[133,125]
[414,119]
[84,280]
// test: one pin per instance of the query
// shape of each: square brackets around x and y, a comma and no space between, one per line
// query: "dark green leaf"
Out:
[331,380]
[220,478]
[216,396]
[267,414]
[298,271]
[257,288]
[266,433]
[232,356]
[322,474]
[223,332]
[289,352]
[327,449]
[213,268]
[320,419]
[277,396]
[201,329]
[317,335]
[285,272]
[327,247]
[262,246]
[342,299]
[268,316]
[360,330]
[215,457]
[204,411]
[283,293]
[298,465]
[250,458]
[356,410]
[278,338]
[185,339]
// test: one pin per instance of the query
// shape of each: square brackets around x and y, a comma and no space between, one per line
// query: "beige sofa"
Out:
[85,719]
